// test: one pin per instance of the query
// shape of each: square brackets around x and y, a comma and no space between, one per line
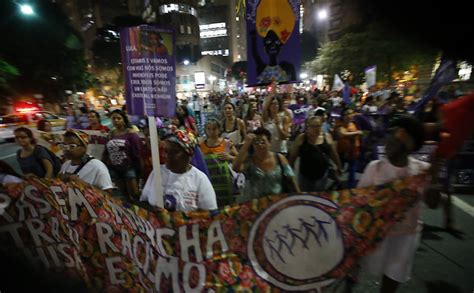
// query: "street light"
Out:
[186,62]
[26,9]
[322,14]
[303,75]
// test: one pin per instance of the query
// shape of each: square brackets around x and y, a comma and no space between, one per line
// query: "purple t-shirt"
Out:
[123,150]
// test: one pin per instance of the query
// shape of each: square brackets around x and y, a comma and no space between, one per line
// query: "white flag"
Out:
[370,76]
[338,84]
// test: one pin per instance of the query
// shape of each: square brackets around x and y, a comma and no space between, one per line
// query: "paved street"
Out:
[8,154]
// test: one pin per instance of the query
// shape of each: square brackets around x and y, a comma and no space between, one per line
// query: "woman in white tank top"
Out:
[233,128]
[278,123]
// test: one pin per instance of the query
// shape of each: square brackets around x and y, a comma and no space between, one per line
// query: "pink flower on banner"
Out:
[126,222]
[265,22]
[154,221]
[246,276]
[103,215]
[348,237]
[261,284]
[211,266]
[91,234]
[360,200]
[284,34]
[194,278]
[362,247]
[237,244]
[92,198]
[117,241]
[346,216]
[245,212]
[228,226]
[225,273]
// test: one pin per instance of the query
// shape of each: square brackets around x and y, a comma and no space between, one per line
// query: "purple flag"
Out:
[273,41]
[444,75]
[346,93]
[148,58]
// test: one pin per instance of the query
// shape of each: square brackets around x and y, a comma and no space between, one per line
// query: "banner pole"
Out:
[155,155]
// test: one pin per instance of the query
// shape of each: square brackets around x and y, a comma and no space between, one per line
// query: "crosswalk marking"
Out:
[463,205]
[6,157]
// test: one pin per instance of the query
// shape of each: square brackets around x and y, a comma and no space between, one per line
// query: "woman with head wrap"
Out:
[185,188]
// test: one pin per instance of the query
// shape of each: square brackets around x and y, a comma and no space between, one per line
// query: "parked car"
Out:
[9,123]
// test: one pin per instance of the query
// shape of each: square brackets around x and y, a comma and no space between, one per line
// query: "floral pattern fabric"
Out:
[114,246]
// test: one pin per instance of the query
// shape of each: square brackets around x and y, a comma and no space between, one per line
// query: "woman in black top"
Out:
[317,152]
[33,159]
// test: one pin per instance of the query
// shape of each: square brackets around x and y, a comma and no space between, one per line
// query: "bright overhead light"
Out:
[186,62]
[323,14]
[303,75]
[26,9]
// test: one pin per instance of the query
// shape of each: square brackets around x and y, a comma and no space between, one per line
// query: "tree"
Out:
[7,72]
[375,45]
[107,55]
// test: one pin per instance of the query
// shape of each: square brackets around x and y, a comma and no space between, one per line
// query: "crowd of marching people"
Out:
[244,147]
[247,146]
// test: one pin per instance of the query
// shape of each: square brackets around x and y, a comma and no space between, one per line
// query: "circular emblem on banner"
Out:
[295,243]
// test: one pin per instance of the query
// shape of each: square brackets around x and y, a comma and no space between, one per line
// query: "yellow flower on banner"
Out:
[361,222]
[275,15]
[398,185]
[379,198]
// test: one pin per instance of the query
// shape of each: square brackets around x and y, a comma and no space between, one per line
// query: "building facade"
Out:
[182,16]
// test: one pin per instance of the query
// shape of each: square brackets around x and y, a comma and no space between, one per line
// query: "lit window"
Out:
[213,33]
[465,70]
[181,8]
[181,29]
[189,30]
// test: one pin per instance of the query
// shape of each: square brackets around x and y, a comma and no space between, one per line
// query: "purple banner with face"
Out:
[273,41]
[148,58]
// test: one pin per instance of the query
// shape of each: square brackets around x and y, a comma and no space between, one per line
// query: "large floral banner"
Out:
[283,242]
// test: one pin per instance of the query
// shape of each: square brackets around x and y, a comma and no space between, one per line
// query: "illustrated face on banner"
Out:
[273,44]
[276,17]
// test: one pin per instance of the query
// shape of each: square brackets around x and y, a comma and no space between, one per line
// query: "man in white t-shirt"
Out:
[185,188]
[394,256]
[80,164]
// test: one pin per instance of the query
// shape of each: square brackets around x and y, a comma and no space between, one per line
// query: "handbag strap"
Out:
[281,168]
[87,160]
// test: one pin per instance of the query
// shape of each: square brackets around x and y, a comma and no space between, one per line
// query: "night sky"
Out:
[447,25]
